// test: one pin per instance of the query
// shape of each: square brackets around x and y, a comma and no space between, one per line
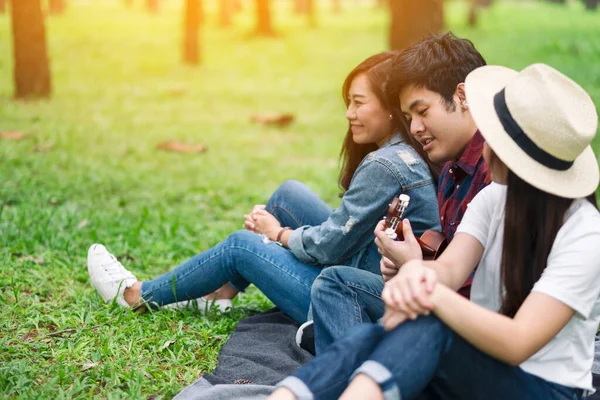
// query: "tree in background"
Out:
[308,8]
[57,6]
[591,4]
[226,9]
[152,6]
[336,6]
[263,18]
[193,16]
[2,6]
[411,20]
[32,69]
[474,7]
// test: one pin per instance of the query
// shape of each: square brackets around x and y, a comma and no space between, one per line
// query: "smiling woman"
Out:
[288,242]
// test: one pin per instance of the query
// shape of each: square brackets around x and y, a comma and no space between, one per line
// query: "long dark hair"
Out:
[531,222]
[377,69]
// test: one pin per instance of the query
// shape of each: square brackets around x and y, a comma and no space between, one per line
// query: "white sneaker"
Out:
[202,304]
[107,275]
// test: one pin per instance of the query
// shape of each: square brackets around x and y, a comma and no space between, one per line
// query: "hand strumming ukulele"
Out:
[432,242]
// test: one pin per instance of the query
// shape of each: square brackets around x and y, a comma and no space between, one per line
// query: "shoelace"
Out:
[116,269]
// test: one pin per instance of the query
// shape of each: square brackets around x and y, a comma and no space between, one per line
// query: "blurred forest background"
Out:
[152,126]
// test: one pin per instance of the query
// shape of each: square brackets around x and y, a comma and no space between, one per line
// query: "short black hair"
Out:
[438,63]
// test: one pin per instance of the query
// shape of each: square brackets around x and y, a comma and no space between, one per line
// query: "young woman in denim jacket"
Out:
[289,241]
[534,236]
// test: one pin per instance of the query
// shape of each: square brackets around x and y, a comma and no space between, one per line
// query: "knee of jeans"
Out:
[284,191]
[241,237]
[328,279]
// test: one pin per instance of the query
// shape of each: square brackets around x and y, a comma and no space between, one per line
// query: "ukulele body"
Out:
[432,242]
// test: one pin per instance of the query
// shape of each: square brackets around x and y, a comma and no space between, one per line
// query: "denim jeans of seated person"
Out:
[245,257]
[422,359]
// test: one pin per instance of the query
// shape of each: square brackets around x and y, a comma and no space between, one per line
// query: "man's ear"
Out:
[459,95]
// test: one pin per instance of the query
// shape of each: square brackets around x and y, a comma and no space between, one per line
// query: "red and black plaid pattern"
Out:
[459,182]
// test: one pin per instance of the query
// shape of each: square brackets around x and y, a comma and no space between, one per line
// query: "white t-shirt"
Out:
[572,276]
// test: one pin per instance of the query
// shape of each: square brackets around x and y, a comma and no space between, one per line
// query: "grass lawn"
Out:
[88,169]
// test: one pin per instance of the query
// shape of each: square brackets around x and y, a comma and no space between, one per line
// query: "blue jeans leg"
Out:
[419,359]
[426,354]
[342,297]
[327,375]
[242,256]
[294,205]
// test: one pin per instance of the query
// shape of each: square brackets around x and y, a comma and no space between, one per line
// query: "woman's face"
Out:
[369,121]
[498,171]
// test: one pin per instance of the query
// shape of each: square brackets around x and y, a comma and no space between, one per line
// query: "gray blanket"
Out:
[261,351]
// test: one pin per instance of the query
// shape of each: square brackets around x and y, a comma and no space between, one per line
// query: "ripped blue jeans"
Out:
[244,258]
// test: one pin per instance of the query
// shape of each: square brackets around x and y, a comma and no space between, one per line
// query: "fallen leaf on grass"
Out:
[43,147]
[280,120]
[29,336]
[175,90]
[167,344]
[82,224]
[180,147]
[37,260]
[12,135]
[87,366]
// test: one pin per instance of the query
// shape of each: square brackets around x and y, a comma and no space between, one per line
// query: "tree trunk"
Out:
[300,6]
[336,6]
[225,12]
[263,18]
[311,12]
[412,20]
[191,42]
[591,4]
[56,6]
[152,6]
[473,9]
[32,70]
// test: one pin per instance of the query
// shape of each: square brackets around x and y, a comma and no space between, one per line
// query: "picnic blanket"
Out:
[261,352]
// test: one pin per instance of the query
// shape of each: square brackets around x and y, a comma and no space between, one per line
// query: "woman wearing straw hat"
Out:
[528,331]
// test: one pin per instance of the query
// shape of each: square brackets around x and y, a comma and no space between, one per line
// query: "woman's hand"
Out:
[392,318]
[249,218]
[265,223]
[398,251]
[410,289]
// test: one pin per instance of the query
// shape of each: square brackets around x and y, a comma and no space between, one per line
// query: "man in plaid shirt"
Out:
[428,86]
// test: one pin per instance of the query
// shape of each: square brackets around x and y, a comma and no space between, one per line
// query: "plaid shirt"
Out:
[459,182]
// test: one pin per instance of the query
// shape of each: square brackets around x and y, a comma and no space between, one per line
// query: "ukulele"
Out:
[432,242]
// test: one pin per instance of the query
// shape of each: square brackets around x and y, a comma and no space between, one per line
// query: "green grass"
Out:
[119,89]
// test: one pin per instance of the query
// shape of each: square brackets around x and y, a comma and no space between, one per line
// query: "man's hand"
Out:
[410,289]
[388,268]
[398,251]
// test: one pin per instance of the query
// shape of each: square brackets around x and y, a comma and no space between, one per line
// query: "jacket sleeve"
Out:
[349,227]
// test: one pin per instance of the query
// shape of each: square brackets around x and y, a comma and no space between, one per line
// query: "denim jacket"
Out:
[346,237]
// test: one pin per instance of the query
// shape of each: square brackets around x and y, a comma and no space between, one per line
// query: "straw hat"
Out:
[540,124]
